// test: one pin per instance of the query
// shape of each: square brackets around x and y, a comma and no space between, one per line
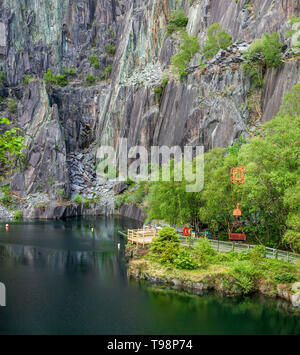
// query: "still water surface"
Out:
[62,278]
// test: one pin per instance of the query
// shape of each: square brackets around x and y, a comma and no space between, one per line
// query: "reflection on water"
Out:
[69,277]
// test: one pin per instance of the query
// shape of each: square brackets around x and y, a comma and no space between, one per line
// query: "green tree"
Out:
[189,47]
[217,38]
[11,143]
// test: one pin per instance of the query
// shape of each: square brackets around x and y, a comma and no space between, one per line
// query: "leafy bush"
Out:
[69,71]
[28,79]
[263,52]
[166,245]
[185,261]
[180,61]
[58,79]
[257,253]
[90,79]
[203,247]
[245,274]
[61,194]
[111,49]
[17,215]
[178,20]
[106,72]
[77,199]
[285,277]
[94,61]
[217,38]
[11,143]
[2,77]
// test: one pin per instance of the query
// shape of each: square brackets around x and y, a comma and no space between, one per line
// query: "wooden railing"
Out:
[141,236]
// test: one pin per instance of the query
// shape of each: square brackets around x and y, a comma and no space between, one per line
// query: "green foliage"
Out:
[184,261]
[166,245]
[17,215]
[263,52]
[178,21]
[2,77]
[217,38]
[130,182]
[58,79]
[159,90]
[285,277]
[106,72]
[77,199]
[245,274]
[111,49]
[69,71]
[203,247]
[6,198]
[235,148]
[189,47]
[11,143]
[94,61]
[61,194]
[90,79]
[28,79]
[257,253]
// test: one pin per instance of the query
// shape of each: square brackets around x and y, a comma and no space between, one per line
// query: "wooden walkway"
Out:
[141,236]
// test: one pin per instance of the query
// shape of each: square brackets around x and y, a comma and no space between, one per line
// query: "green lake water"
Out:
[63,278]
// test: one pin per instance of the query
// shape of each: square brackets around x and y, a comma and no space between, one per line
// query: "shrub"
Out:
[69,71]
[2,77]
[257,253]
[180,61]
[285,277]
[58,79]
[158,91]
[17,215]
[217,38]
[77,199]
[203,247]
[185,261]
[245,274]
[90,79]
[263,52]
[178,20]
[166,245]
[94,61]
[106,72]
[61,194]
[28,79]
[111,49]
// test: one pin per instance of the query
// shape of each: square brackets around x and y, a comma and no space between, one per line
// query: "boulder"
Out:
[295,299]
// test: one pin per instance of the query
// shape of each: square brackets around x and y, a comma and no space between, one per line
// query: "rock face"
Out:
[63,126]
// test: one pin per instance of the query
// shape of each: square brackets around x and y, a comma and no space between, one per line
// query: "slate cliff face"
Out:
[64,126]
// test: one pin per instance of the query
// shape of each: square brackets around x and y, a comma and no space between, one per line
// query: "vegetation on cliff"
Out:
[11,143]
[217,38]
